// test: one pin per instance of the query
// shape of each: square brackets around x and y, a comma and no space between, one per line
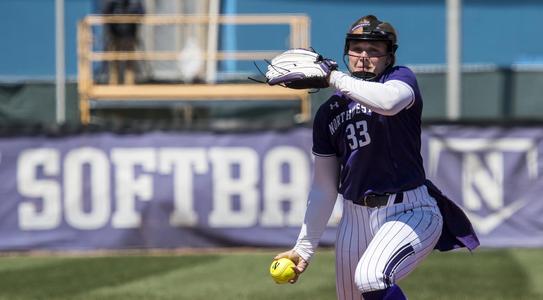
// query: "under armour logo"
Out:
[335,104]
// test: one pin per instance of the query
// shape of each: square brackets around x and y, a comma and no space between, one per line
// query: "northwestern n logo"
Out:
[483,163]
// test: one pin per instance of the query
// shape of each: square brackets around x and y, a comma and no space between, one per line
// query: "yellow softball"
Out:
[281,270]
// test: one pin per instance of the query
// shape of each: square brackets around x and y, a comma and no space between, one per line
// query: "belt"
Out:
[378,200]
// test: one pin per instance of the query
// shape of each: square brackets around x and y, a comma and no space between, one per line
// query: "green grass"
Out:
[486,274]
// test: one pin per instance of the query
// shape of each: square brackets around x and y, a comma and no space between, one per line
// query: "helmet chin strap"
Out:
[368,76]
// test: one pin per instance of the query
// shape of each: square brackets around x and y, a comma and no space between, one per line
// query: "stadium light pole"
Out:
[454,58]
[212,38]
[60,71]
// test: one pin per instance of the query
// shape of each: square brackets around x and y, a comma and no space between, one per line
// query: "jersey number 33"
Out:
[357,134]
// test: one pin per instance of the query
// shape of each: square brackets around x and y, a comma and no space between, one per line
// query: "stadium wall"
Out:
[488,94]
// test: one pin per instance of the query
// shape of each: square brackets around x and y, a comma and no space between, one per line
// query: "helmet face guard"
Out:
[369,28]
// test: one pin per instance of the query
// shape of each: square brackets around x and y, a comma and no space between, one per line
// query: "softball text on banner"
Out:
[163,190]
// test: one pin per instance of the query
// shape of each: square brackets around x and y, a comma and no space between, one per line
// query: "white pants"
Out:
[376,247]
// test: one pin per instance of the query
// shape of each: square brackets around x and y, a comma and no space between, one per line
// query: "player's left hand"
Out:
[301,264]
[300,69]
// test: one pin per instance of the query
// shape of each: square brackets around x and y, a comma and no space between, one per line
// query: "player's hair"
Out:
[369,28]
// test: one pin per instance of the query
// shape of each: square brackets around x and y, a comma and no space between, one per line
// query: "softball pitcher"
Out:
[366,142]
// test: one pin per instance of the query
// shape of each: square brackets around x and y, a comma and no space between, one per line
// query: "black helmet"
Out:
[369,28]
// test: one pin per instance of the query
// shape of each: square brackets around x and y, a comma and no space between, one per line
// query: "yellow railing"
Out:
[89,89]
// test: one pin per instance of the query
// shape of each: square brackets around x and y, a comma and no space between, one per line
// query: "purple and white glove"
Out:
[300,69]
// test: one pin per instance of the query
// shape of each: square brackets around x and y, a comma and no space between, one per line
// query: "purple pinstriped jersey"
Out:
[378,154]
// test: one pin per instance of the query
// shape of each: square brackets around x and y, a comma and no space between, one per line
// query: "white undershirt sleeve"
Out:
[387,98]
[322,198]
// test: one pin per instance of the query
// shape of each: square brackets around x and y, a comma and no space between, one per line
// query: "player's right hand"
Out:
[301,264]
